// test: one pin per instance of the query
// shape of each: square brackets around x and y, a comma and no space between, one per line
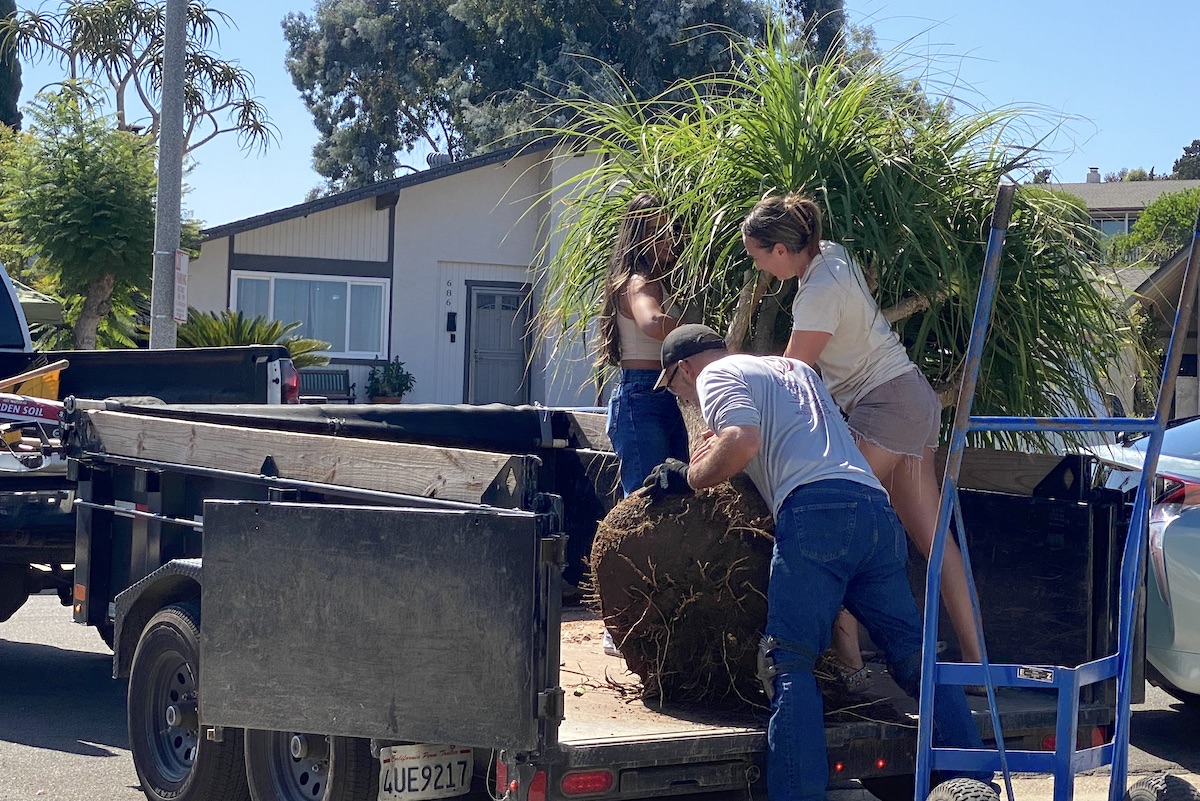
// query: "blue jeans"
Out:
[840,543]
[644,426]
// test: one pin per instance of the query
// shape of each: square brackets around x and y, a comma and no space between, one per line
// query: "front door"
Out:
[498,352]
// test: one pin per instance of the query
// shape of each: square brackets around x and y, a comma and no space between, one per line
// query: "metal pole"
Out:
[170,176]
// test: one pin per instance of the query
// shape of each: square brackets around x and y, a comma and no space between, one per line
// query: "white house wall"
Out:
[475,223]
[570,379]
[485,224]
[208,276]
[354,232]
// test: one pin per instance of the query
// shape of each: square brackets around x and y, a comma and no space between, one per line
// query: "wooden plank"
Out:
[591,429]
[982,468]
[424,470]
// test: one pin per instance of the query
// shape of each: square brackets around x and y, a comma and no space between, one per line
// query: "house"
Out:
[1114,206]
[439,268]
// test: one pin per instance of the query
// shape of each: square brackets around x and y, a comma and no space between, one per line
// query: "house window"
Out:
[348,313]
[1110,227]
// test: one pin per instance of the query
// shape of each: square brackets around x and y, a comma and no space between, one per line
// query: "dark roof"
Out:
[1123,195]
[374,190]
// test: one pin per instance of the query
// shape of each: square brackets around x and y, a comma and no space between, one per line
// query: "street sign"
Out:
[181,278]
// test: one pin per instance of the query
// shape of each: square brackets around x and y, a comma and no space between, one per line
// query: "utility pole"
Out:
[170,177]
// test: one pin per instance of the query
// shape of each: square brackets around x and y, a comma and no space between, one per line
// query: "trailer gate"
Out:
[409,624]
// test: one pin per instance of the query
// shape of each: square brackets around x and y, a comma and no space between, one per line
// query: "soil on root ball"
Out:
[682,583]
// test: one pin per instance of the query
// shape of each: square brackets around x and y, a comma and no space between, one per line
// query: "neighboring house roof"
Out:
[1123,195]
[1160,290]
[374,190]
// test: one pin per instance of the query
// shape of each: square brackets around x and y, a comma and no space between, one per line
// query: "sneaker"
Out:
[856,681]
[610,645]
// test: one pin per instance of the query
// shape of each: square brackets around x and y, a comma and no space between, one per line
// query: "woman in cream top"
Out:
[892,411]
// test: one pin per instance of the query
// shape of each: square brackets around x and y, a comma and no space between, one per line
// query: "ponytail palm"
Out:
[907,185]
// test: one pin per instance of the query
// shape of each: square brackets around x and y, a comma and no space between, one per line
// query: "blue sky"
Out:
[1120,74]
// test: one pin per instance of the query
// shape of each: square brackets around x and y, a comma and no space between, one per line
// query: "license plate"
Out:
[416,772]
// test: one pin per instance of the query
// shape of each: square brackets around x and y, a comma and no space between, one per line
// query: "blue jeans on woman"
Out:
[840,543]
[644,426]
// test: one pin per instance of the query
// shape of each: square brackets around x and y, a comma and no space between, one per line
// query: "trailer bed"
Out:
[603,704]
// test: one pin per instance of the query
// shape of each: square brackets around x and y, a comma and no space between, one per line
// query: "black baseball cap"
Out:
[684,342]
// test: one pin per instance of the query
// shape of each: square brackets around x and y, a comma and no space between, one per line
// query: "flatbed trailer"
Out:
[299,595]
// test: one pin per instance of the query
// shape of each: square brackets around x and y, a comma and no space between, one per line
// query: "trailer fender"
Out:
[176,581]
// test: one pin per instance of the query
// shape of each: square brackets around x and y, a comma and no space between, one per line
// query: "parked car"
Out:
[1173,578]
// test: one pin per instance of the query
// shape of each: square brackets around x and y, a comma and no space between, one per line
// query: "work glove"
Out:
[669,478]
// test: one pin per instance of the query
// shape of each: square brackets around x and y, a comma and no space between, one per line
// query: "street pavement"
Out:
[63,736]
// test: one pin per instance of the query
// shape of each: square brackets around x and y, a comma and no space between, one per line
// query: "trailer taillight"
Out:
[537,787]
[587,783]
[1098,737]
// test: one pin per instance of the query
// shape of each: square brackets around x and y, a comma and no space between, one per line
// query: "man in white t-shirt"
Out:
[837,540]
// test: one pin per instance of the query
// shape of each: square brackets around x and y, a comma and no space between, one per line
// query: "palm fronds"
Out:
[228,327]
[906,184]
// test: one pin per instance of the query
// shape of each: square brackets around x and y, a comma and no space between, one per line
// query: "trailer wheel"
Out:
[289,766]
[963,790]
[173,760]
[1162,788]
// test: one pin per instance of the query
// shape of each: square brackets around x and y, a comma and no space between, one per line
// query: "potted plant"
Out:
[389,383]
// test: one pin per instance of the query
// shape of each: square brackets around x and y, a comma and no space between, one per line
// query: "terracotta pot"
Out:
[386,399]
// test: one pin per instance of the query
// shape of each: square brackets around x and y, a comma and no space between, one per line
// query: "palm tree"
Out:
[907,185]
[227,327]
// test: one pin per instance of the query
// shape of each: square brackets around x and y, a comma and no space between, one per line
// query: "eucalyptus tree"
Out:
[119,43]
[907,185]
[381,77]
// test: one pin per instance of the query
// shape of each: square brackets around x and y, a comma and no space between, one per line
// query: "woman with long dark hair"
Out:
[644,425]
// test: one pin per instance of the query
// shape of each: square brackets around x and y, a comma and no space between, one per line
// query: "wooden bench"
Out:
[325,385]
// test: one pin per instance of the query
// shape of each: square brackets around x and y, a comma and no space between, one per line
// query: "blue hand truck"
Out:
[1066,760]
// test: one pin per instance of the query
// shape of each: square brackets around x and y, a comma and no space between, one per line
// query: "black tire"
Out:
[341,769]
[1162,788]
[963,790]
[176,763]
[891,788]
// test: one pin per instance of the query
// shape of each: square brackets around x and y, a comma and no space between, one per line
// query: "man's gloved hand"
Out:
[669,478]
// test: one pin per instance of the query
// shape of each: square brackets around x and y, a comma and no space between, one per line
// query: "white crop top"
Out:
[636,343]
